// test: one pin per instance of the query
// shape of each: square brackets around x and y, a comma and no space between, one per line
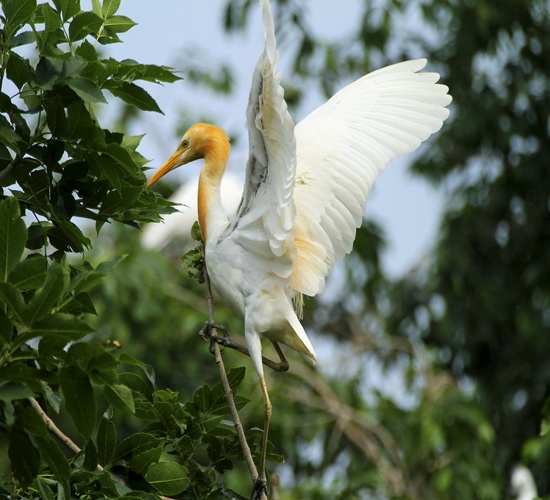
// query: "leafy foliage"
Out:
[59,172]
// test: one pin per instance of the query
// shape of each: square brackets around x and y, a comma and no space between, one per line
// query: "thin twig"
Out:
[227,389]
[66,440]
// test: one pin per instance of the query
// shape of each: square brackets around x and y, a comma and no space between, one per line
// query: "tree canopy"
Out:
[440,381]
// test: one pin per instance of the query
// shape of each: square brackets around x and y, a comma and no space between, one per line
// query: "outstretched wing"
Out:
[266,213]
[342,146]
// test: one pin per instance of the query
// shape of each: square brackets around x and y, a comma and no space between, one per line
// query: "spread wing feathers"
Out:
[342,146]
[266,213]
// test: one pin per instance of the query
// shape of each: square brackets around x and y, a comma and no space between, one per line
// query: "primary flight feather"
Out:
[305,189]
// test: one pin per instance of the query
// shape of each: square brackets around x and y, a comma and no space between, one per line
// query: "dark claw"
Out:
[206,333]
[206,330]
[259,487]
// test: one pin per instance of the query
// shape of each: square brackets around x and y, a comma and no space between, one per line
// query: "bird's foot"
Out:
[259,490]
[207,334]
[206,330]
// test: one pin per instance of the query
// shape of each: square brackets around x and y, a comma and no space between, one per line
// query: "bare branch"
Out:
[66,440]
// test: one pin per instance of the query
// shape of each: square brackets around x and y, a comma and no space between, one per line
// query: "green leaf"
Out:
[43,488]
[133,94]
[52,18]
[106,441]
[6,328]
[119,24]
[140,462]
[90,456]
[135,383]
[48,71]
[196,232]
[59,325]
[79,399]
[49,295]
[97,8]
[20,373]
[87,51]
[85,23]
[68,235]
[10,138]
[14,300]
[120,396]
[235,376]
[56,460]
[136,444]
[18,70]
[12,391]
[17,13]
[87,90]
[110,7]
[80,354]
[24,457]
[168,478]
[13,236]
[30,273]
[132,361]
[68,8]
[122,157]
[79,120]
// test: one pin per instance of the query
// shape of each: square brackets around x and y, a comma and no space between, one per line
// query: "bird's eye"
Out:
[185,144]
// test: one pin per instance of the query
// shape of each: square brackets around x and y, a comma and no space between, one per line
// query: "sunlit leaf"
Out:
[110,7]
[119,24]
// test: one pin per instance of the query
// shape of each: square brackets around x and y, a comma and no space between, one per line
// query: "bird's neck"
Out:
[211,213]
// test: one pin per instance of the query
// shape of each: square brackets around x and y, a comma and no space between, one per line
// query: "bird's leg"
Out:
[227,341]
[282,365]
[260,485]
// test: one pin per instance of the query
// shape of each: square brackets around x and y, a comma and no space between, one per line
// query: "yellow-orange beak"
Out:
[170,164]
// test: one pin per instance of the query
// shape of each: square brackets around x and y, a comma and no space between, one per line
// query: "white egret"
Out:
[305,191]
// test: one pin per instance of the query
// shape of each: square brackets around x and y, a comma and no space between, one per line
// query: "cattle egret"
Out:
[305,191]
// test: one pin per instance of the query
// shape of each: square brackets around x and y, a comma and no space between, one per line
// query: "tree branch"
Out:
[66,440]
[7,171]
